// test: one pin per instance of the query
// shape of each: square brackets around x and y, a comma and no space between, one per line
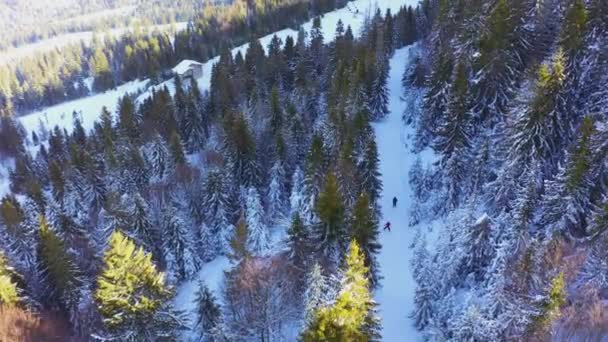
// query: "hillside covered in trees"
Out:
[251,210]
[50,77]
[515,107]
[101,227]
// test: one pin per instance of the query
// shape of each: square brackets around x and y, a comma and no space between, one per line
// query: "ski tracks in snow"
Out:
[396,295]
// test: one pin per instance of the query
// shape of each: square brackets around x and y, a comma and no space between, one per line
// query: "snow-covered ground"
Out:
[5,167]
[396,296]
[90,107]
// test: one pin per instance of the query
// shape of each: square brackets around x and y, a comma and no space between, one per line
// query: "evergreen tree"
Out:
[368,171]
[315,294]
[540,125]
[196,121]
[258,238]
[100,67]
[132,296]
[216,199]
[157,155]
[241,153]
[296,199]
[567,197]
[276,192]
[298,243]
[178,242]
[330,231]
[313,178]
[378,96]
[365,232]
[127,122]
[352,316]
[58,269]
[424,295]
[9,293]
[551,305]
[176,149]
[209,315]
[239,242]
[574,27]
[454,135]
[276,112]
[141,223]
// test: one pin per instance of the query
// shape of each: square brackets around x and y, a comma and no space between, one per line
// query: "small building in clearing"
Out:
[188,69]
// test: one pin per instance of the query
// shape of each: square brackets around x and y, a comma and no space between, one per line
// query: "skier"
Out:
[394,202]
[387,226]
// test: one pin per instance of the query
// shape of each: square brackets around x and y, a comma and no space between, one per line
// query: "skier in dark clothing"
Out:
[394,202]
[387,226]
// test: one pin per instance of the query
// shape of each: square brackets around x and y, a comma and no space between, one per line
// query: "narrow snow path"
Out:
[396,296]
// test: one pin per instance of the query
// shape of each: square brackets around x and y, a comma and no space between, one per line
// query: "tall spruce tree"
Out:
[58,268]
[330,232]
[365,232]
[132,295]
[352,316]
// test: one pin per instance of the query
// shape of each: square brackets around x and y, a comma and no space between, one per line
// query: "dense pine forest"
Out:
[251,208]
[514,105]
[50,77]
[101,227]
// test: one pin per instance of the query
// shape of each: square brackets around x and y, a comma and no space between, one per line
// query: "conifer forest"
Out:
[304,170]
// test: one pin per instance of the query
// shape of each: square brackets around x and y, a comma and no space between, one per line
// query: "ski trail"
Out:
[396,296]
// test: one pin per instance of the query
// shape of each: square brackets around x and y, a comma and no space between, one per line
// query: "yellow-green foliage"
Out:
[344,320]
[8,290]
[551,307]
[130,287]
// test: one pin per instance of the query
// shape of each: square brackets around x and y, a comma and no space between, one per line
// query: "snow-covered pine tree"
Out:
[217,230]
[369,171]
[479,244]
[315,294]
[240,151]
[209,320]
[141,223]
[296,199]
[58,270]
[195,124]
[18,227]
[426,291]
[567,197]
[298,244]
[179,248]
[258,241]
[540,125]
[346,172]
[313,179]
[157,155]
[276,193]
[378,91]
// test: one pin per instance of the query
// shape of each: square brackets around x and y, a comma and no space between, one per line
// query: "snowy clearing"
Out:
[396,296]
[397,292]
[90,107]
